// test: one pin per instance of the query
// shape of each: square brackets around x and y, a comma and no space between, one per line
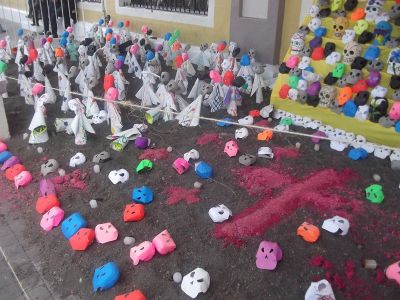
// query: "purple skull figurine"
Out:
[314,88]
[13,160]
[374,78]
[46,187]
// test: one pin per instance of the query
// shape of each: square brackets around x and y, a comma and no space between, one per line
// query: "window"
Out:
[195,7]
[192,12]
[92,1]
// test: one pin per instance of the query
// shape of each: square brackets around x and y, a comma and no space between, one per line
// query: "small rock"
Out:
[270,120]
[370,264]
[298,145]
[316,147]
[25,136]
[177,277]
[39,150]
[376,177]
[96,169]
[80,280]
[93,203]
[197,185]
[128,240]
[61,172]
[169,149]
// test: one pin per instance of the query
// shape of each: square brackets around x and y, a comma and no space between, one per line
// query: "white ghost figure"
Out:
[336,225]
[38,125]
[146,93]
[80,124]
[320,290]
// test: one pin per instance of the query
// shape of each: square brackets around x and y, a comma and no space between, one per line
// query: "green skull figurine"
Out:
[374,193]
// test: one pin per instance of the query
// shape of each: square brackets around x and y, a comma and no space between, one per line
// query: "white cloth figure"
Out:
[20,45]
[37,71]
[80,124]
[181,76]
[62,75]
[48,54]
[113,117]
[134,66]
[258,86]
[26,89]
[232,100]
[216,99]
[92,108]
[195,91]
[8,47]
[4,55]
[120,82]
[232,64]
[190,116]
[38,126]
[188,68]
[146,93]
[49,91]
[201,60]
[92,69]
[162,94]
[66,95]
[248,74]
[218,60]
[167,54]
[169,108]
[212,53]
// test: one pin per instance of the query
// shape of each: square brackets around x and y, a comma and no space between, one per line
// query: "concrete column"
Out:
[4,131]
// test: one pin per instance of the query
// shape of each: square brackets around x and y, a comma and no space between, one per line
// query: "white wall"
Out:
[305,6]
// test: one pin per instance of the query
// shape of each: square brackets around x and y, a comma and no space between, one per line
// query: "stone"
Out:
[128,240]
[39,150]
[316,147]
[177,277]
[61,172]
[376,177]
[96,169]
[169,149]
[93,203]
[197,185]
[25,136]
[298,145]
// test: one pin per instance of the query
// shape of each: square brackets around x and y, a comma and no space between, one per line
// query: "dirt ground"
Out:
[269,201]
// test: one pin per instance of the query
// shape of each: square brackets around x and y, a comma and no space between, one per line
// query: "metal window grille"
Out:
[195,7]
[93,1]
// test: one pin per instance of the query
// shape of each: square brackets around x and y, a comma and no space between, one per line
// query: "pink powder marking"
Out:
[262,123]
[258,181]
[380,276]
[267,212]
[76,180]
[176,194]
[208,138]
[280,152]
[349,269]
[154,154]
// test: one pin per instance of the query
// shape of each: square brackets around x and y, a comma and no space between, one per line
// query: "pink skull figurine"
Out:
[393,272]
[142,252]
[105,233]
[46,187]
[231,148]
[374,78]
[22,179]
[52,218]
[3,147]
[394,113]
[37,89]
[164,243]
[292,61]
[181,165]
[13,160]
[134,49]
[268,255]
[111,94]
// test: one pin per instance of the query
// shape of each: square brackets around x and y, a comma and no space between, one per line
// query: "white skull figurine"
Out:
[118,176]
[293,94]
[310,76]
[249,120]
[196,282]
[265,152]
[320,290]
[191,155]
[278,113]
[362,112]
[337,225]
[219,213]
[333,58]
[327,96]
[314,11]
[302,85]
[382,152]
[349,36]
[100,117]
[372,12]
[395,156]
[297,43]
[351,51]
[241,133]
[314,24]
[379,92]
[359,141]
[266,111]
[77,160]
[382,16]
[49,166]
[304,63]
